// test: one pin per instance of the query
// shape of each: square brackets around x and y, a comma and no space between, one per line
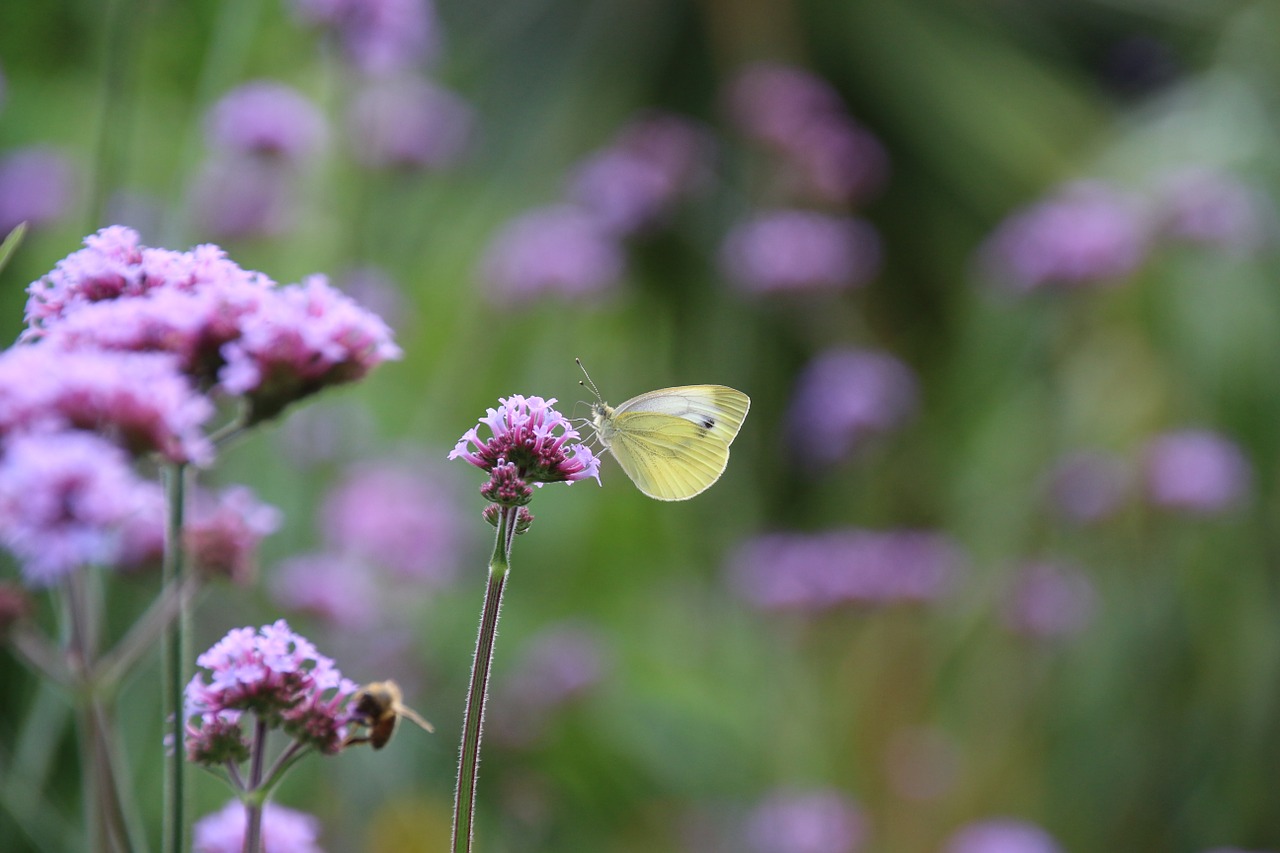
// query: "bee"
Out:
[379,707]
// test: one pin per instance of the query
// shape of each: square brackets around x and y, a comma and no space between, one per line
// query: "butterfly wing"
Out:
[674,443]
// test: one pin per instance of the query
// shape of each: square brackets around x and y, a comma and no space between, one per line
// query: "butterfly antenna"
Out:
[589,385]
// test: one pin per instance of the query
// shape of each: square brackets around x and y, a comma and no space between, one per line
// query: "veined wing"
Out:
[716,408]
[668,457]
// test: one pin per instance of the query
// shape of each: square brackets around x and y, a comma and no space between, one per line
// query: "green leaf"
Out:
[10,244]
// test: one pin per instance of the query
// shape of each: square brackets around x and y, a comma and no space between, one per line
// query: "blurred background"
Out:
[994,564]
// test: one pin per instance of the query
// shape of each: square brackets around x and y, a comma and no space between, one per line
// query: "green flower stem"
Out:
[473,721]
[255,802]
[116,665]
[175,476]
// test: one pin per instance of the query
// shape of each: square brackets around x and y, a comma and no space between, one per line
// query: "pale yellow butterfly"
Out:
[674,442]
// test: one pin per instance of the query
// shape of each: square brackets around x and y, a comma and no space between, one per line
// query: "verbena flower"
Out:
[37,186]
[1204,206]
[338,588]
[377,36]
[528,433]
[279,677]
[800,250]
[1196,471]
[224,531]
[770,101]
[559,250]
[284,830]
[1087,486]
[409,123]
[1001,835]
[1088,233]
[237,198]
[841,568]
[818,821]
[139,400]
[846,396]
[1049,599]
[63,499]
[266,118]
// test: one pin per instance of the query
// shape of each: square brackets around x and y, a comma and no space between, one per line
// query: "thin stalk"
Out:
[114,666]
[464,800]
[173,570]
[254,803]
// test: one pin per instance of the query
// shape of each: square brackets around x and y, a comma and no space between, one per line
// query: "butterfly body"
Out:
[674,442]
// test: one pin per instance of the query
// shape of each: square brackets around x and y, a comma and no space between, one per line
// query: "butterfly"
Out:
[674,442]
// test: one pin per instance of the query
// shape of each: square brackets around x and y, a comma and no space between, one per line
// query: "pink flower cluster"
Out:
[524,434]
[278,676]
[284,830]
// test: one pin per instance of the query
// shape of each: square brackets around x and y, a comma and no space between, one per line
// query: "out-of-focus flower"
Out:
[849,567]
[1001,835]
[799,250]
[1047,600]
[771,102]
[278,676]
[302,339]
[377,36]
[267,119]
[139,400]
[837,161]
[1196,471]
[409,123]
[634,182]
[396,516]
[559,250]
[844,397]
[524,434]
[376,290]
[1213,208]
[284,830]
[819,821]
[1087,234]
[334,587]
[37,186]
[224,531]
[241,198]
[324,433]
[558,666]
[63,498]
[1087,486]
[15,605]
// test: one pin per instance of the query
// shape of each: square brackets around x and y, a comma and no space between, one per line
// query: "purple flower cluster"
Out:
[1001,835]
[1208,207]
[37,186]
[1196,471]
[844,397]
[818,821]
[264,118]
[284,830]
[408,123]
[559,250]
[824,153]
[528,433]
[842,568]
[1047,600]
[279,677]
[1087,485]
[378,37]
[792,250]
[335,588]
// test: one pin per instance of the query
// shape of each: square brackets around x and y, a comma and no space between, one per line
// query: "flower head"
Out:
[1048,600]
[819,821]
[225,529]
[1002,835]
[1196,471]
[1087,486]
[800,250]
[409,124]
[337,588]
[559,250]
[37,186]
[377,36]
[528,433]
[63,499]
[268,119]
[277,675]
[284,830]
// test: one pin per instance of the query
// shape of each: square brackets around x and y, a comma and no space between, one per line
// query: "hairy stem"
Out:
[175,655]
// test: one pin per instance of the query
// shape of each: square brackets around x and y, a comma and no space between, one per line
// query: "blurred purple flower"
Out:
[819,821]
[376,290]
[397,516]
[559,665]
[409,123]
[1087,234]
[1001,835]
[274,673]
[283,830]
[1087,486]
[323,433]
[559,250]
[138,400]
[37,186]
[302,339]
[836,161]
[266,118]
[634,182]
[1047,600]
[336,588]
[849,567]
[844,397]
[800,250]
[63,499]
[241,198]
[377,36]
[1196,471]
[224,531]
[524,435]
[771,102]
[1214,208]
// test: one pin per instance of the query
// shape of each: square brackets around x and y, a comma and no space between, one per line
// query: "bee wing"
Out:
[669,457]
[413,716]
[716,408]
